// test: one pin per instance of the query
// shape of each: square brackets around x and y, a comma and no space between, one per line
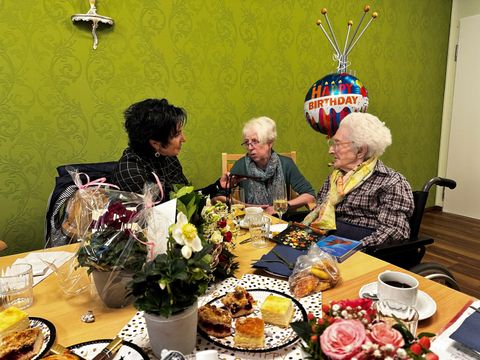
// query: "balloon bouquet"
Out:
[336,95]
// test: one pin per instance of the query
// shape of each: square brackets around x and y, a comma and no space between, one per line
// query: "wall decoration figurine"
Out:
[336,95]
[92,16]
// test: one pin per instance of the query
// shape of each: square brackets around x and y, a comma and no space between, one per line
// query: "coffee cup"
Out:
[399,286]
[253,214]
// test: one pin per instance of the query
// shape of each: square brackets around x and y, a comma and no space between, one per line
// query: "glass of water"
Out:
[16,286]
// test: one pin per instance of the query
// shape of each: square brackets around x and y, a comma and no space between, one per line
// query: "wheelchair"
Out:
[408,254]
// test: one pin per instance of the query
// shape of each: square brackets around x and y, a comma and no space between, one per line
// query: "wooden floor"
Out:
[456,246]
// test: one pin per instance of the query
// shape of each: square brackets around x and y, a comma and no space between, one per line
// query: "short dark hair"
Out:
[152,119]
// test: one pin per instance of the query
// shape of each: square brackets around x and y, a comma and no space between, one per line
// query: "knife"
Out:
[110,350]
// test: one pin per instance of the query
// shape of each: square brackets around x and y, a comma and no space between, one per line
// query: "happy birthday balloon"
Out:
[332,98]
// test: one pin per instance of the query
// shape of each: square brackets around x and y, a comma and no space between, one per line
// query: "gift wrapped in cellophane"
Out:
[314,272]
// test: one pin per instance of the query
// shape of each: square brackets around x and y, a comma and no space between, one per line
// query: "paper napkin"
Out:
[467,333]
[40,269]
[271,263]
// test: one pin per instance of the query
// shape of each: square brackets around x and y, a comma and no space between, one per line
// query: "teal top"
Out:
[293,176]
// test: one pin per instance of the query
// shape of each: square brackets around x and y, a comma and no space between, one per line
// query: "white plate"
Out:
[48,330]
[425,305]
[89,349]
[275,336]
[243,224]
[277,228]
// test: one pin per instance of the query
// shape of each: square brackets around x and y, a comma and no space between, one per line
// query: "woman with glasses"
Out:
[155,138]
[269,169]
[363,199]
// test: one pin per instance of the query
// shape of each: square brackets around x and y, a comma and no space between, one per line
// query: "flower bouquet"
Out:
[178,271]
[216,230]
[107,249]
[112,253]
[349,330]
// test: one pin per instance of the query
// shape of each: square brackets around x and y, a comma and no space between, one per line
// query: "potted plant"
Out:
[168,286]
[111,254]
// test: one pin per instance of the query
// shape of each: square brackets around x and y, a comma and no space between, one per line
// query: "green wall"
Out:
[224,62]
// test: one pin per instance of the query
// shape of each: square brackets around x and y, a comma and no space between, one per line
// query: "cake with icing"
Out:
[249,333]
[277,310]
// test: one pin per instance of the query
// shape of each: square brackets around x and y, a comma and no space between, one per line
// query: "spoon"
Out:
[370,296]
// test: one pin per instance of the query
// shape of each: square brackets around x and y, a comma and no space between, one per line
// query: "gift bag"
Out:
[316,271]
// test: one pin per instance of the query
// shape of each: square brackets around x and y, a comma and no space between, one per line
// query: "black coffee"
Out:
[397,284]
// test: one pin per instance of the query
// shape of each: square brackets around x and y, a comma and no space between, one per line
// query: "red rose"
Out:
[227,236]
[425,342]
[416,349]
[325,308]
[310,316]
[431,356]
[383,334]
[343,339]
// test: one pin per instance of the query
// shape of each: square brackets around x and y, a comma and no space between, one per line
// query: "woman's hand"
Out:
[268,209]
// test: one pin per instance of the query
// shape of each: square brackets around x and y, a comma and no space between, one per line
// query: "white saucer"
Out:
[243,224]
[425,305]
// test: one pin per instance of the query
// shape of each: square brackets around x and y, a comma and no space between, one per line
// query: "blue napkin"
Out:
[467,333]
[278,268]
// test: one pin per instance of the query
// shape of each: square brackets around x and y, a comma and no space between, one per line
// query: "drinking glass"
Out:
[280,204]
[388,310]
[237,209]
[16,286]
[72,278]
[259,229]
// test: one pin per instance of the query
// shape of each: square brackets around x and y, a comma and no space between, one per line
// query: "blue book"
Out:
[340,248]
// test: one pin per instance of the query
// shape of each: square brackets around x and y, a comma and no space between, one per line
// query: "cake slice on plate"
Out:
[214,321]
[250,333]
[277,310]
[239,302]
[13,319]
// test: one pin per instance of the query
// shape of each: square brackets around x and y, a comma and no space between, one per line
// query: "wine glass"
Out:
[237,208]
[280,204]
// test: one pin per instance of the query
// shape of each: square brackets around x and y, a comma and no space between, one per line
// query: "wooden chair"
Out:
[229,159]
[3,246]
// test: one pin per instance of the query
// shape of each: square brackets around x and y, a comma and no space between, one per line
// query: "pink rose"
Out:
[343,339]
[384,334]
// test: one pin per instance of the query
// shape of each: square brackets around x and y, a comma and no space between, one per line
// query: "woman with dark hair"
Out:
[155,138]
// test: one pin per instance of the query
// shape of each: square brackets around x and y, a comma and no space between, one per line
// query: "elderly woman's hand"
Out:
[268,209]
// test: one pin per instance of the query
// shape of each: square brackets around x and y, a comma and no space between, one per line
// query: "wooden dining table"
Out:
[66,312]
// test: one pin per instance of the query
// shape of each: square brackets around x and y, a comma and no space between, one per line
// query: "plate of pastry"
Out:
[21,335]
[253,320]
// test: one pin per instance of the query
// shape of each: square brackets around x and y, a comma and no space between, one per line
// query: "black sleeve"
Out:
[213,190]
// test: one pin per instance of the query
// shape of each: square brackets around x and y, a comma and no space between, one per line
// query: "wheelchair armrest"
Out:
[401,247]
[295,215]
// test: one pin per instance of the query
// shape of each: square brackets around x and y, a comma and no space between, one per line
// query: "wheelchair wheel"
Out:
[437,273]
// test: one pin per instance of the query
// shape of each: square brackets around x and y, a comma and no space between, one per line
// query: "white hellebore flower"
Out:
[216,237]
[186,234]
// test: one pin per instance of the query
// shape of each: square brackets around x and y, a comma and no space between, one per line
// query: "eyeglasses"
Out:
[253,143]
[334,143]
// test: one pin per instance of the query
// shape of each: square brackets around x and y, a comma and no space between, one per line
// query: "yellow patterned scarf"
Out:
[323,216]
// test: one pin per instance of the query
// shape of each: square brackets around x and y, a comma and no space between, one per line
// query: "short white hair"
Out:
[367,129]
[264,127]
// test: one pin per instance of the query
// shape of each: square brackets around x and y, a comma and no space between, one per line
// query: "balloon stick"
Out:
[374,16]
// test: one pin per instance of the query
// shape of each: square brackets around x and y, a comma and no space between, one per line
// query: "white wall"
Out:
[460,9]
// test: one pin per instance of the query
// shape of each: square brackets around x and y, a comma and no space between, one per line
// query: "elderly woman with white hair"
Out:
[268,168]
[363,199]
